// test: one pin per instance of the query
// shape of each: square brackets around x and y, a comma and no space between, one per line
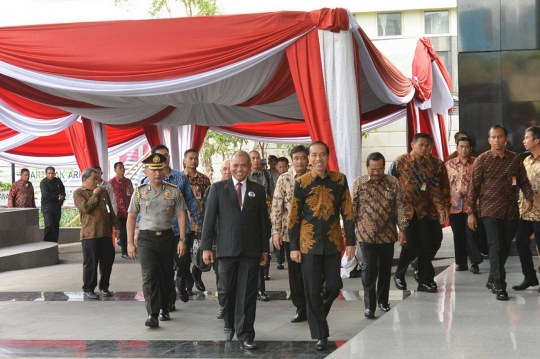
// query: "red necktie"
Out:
[239,193]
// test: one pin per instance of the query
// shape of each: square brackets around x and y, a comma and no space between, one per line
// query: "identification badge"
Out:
[198,195]
[251,194]
[534,185]
[424,186]
[514,181]
[108,209]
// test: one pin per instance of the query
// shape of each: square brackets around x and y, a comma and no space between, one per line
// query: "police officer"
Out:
[157,202]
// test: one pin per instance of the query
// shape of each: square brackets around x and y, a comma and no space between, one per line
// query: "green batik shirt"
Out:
[314,220]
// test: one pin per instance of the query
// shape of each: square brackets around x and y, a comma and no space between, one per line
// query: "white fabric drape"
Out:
[15,141]
[68,161]
[262,138]
[384,120]
[337,56]
[100,136]
[34,126]
[441,98]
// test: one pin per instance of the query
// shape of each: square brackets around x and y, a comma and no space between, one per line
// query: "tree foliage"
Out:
[192,7]
[216,143]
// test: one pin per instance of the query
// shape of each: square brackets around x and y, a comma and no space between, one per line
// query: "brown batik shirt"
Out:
[97,214]
[378,209]
[314,226]
[198,183]
[495,184]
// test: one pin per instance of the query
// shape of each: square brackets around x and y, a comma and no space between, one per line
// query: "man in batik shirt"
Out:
[320,197]
[21,194]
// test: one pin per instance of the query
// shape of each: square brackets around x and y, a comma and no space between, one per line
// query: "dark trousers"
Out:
[314,266]
[216,271]
[523,241]
[465,240]
[500,233]
[419,243]
[51,216]
[377,262]
[97,251]
[184,278]
[156,257]
[296,281]
[123,234]
[280,255]
[238,294]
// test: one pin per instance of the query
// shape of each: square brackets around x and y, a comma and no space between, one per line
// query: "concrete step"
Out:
[30,255]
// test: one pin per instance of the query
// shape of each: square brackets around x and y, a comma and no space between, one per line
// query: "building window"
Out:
[436,22]
[389,24]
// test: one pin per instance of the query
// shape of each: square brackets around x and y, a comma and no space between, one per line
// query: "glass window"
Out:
[436,22]
[389,24]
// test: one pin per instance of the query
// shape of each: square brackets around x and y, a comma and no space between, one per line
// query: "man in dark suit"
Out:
[241,245]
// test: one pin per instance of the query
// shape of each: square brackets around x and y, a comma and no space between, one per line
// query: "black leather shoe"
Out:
[474,269]
[298,318]
[433,284]
[105,293]
[266,277]
[280,266]
[172,307]
[525,284]
[184,297]
[152,321]
[415,275]
[91,295]
[164,315]
[370,314]
[502,295]
[189,291]
[200,285]
[426,288]
[220,314]
[229,334]
[322,344]
[262,296]
[400,283]
[489,285]
[249,345]
[384,307]
[461,268]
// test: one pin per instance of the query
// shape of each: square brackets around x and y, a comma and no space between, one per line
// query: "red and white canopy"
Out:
[85,88]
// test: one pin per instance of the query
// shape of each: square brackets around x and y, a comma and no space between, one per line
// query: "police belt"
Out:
[156,233]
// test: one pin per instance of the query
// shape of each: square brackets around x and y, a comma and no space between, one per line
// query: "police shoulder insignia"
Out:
[171,184]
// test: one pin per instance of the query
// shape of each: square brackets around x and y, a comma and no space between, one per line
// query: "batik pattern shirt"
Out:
[495,182]
[21,195]
[314,220]
[532,166]
[378,209]
[181,181]
[281,204]
[199,183]
[123,190]
[460,177]
[418,186]
[440,187]
[97,215]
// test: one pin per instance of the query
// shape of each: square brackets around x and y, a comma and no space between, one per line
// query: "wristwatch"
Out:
[183,240]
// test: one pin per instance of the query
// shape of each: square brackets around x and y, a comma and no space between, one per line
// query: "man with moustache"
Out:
[316,239]
[497,173]
[123,189]
[242,245]
[281,206]
[21,194]
[157,203]
[53,195]
[529,223]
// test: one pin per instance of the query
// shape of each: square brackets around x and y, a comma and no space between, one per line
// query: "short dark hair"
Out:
[49,168]
[421,135]
[159,147]
[25,170]
[375,156]
[299,148]
[191,150]
[283,159]
[464,139]
[273,157]
[87,172]
[97,168]
[462,133]
[118,164]
[319,143]
[499,127]
[535,132]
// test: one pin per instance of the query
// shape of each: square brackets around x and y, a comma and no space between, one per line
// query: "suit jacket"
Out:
[243,231]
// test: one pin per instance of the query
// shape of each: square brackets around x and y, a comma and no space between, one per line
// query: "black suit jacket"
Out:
[240,232]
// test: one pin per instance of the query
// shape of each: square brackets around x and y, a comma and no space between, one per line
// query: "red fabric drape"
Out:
[198,137]
[270,129]
[152,135]
[30,108]
[81,138]
[6,132]
[421,70]
[306,69]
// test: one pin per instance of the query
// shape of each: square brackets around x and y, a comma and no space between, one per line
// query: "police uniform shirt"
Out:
[157,209]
